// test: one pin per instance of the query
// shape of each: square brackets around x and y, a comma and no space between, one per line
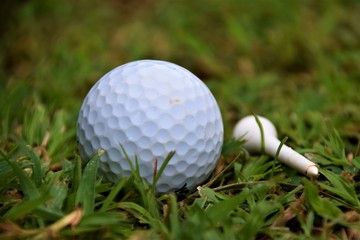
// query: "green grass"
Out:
[296,62]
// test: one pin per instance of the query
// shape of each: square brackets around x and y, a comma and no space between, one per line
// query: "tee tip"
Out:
[312,171]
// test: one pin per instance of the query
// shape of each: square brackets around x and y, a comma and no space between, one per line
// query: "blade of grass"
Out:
[144,216]
[210,194]
[48,214]
[340,187]
[333,153]
[27,185]
[160,171]
[138,211]
[6,174]
[174,215]
[85,195]
[335,141]
[76,175]
[277,155]
[221,210]
[37,172]
[133,169]
[101,219]
[257,169]
[26,207]
[356,162]
[256,221]
[212,180]
[321,206]
[110,198]
[261,133]
[138,182]
[55,186]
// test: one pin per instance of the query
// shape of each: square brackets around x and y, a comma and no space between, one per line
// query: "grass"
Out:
[295,63]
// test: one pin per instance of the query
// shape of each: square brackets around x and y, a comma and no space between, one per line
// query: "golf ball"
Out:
[151,108]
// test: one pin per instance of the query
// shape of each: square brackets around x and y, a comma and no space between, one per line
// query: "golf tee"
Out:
[291,158]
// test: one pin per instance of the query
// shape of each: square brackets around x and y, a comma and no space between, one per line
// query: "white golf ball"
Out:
[151,108]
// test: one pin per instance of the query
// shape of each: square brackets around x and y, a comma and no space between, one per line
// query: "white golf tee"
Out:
[249,130]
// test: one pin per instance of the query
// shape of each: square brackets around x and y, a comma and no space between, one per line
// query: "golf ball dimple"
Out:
[150,108]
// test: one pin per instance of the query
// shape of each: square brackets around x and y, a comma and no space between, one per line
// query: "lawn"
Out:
[294,62]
